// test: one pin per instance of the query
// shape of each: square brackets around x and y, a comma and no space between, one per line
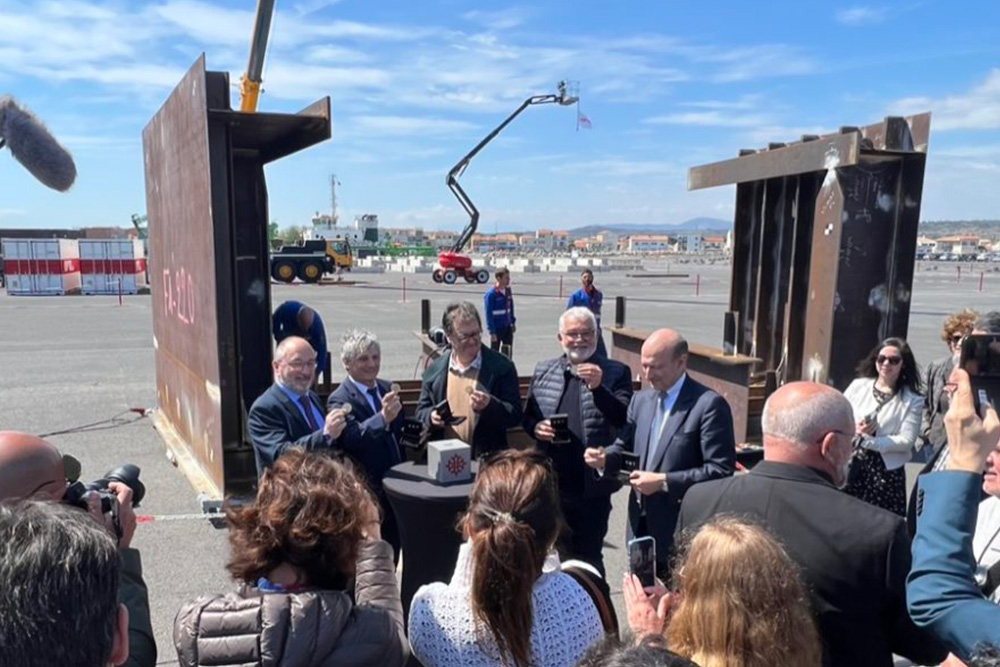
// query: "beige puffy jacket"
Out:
[302,629]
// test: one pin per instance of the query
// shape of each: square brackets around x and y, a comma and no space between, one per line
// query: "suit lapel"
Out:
[677,417]
[359,400]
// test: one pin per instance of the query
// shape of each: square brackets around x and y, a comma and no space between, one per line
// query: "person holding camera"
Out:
[31,467]
[888,406]
[942,591]
[59,589]
[578,400]
[470,392]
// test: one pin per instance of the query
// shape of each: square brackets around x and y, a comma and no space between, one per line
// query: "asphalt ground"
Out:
[76,367]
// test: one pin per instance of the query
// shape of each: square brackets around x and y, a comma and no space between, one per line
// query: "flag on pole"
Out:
[582,121]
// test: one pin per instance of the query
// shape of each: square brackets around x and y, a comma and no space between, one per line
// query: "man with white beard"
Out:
[590,395]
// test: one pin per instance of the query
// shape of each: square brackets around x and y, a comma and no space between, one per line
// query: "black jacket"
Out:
[603,411]
[696,445]
[367,437]
[276,424]
[854,558]
[498,377]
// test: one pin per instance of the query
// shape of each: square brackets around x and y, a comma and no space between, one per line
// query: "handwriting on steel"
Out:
[178,294]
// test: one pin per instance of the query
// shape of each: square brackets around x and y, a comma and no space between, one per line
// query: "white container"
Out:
[109,265]
[449,461]
[39,267]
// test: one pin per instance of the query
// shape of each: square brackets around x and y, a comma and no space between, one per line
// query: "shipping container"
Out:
[40,267]
[107,266]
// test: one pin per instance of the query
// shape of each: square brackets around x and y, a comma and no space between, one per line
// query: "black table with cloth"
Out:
[427,514]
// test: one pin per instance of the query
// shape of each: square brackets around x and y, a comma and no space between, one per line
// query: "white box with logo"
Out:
[449,461]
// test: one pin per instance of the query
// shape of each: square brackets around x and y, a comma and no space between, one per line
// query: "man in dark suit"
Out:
[682,432]
[854,557]
[289,413]
[479,384]
[375,422]
[593,392]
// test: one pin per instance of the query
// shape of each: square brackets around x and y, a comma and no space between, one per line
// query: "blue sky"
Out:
[414,85]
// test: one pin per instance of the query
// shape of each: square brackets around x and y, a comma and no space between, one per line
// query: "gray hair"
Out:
[356,342]
[578,313]
[459,311]
[282,349]
[988,322]
[803,422]
[58,586]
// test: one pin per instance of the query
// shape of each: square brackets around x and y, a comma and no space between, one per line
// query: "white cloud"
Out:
[407,125]
[745,102]
[504,19]
[978,109]
[708,119]
[617,166]
[12,212]
[311,6]
[783,133]
[862,15]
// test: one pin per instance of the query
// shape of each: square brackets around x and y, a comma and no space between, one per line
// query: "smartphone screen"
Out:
[642,559]
[981,360]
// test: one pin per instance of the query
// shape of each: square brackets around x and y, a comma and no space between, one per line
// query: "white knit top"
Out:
[443,632]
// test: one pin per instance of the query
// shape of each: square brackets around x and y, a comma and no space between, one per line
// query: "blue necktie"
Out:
[373,392]
[308,409]
[657,427]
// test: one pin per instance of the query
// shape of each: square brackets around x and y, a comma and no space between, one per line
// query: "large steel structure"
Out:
[206,198]
[824,243]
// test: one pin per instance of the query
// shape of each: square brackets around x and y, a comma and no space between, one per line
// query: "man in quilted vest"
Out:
[592,393]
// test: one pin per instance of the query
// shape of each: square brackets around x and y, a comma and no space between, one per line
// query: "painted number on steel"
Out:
[178,295]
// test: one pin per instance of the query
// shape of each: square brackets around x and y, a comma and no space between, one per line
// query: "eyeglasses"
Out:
[892,361]
[461,338]
[957,338]
[300,365]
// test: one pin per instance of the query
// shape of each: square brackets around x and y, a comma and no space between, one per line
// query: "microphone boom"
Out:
[34,147]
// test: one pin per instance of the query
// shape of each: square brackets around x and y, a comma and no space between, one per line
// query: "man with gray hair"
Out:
[58,589]
[589,395]
[854,557]
[375,422]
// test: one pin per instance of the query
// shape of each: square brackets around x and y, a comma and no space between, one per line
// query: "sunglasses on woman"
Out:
[892,361]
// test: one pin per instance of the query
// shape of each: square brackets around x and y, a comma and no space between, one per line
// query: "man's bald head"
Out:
[664,358]
[811,424]
[30,467]
[295,364]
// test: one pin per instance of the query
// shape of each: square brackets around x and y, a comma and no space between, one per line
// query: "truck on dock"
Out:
[312,260]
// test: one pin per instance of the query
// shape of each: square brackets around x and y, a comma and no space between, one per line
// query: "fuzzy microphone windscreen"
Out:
[33,146]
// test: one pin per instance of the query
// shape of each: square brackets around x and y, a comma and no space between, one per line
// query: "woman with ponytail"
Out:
[507,604]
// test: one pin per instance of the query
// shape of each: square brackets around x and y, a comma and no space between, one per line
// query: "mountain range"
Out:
[692,225]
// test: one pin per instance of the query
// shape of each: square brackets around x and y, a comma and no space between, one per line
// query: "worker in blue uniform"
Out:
[592,299]
[294,318]
[498,306]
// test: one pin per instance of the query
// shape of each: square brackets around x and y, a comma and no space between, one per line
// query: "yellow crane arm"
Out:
[251,80]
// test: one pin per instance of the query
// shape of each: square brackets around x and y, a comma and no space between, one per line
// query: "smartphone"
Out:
[629,463]
[642,560]
[980,358]
[560,424]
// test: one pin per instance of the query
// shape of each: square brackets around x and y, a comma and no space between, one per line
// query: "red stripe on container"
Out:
[28,267]
[112,266]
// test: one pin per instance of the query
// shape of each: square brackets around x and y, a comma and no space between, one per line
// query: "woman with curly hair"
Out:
[932,435]
[888,404]
[508,604]
[309,540]
[740,602]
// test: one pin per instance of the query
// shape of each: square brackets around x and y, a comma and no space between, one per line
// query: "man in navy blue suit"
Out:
[289,414]
[683,434]
[293,318]
[375,423]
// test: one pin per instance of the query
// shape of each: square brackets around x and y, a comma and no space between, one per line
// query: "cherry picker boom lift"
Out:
[452,263]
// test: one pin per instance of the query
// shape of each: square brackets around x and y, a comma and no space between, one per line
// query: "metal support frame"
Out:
[206,198]
[824,238]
